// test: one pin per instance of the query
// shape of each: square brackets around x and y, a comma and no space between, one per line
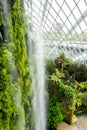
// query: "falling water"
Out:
[40,89]
[37,73]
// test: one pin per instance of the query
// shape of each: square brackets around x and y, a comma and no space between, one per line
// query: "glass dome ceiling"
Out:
[64,26]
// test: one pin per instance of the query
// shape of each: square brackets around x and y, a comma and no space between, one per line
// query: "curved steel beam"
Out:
[78,22]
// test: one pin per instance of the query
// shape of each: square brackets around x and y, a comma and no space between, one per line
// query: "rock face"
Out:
[2,23]
[81,124]
[15,108]
[2,32]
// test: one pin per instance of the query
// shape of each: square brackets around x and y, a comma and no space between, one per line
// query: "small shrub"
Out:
[55,114]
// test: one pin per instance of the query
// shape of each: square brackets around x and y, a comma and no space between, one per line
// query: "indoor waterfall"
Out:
[43,65]
[35,49]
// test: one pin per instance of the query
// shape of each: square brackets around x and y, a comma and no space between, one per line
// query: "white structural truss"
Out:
[64,26]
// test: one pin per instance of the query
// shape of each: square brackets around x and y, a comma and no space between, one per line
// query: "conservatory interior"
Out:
[43,64]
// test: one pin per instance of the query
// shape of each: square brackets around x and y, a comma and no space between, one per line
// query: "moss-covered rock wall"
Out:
[15,87]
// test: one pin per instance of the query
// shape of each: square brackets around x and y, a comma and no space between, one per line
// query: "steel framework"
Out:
[64,26]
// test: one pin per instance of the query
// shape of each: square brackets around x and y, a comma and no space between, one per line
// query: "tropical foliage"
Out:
[67,81]
[67,86]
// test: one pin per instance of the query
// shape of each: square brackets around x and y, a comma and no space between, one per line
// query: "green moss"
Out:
[20,55]
[5,88]
[15,85]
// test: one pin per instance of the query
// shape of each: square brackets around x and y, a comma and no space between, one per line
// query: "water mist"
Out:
[35,49]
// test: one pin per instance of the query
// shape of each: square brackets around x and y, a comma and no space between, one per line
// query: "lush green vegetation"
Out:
[55,114]
[67,81]
[67,90]
[15,87]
